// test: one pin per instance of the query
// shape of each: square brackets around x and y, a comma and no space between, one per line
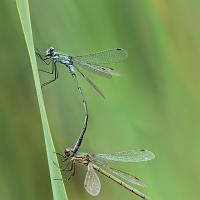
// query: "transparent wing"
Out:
[90,82]
[92,183]
[128,177]
[137,155]
[103,57]
[116,172]
[120,182]
[100,70]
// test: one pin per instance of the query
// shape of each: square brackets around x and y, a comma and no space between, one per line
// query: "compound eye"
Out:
[51,49]
[66,151]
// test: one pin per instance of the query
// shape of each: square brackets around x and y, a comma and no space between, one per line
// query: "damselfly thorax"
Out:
[66,60]
[80,158]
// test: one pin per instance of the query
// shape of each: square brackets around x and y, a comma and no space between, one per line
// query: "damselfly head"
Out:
[50,51]
[68,152]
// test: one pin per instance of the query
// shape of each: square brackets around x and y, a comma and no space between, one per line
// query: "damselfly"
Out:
[99,162]
[93,62]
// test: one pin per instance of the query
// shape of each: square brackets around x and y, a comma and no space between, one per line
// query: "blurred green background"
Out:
[154,104]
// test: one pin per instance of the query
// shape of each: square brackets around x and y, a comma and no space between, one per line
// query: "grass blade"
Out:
[57,186]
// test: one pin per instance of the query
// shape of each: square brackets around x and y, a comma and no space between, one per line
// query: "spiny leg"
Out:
[63,168]
[43,57]
[71,167]
[55,72]
[72,170]
[59,154]
[64,158]
[66,167]
[52,69]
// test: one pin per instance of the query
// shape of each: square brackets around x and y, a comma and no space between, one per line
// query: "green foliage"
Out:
[57,186]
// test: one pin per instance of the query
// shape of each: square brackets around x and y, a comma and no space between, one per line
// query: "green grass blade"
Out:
[57,186]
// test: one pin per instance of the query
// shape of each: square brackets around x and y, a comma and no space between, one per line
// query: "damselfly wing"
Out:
[92,183]
[137,155]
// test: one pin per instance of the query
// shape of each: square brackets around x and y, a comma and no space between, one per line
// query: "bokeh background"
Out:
[154,104]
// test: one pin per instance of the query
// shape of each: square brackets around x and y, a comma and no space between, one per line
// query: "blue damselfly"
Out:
[93,62]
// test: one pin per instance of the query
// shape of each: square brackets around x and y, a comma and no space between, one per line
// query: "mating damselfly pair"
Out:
[99,162]
[95,62]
